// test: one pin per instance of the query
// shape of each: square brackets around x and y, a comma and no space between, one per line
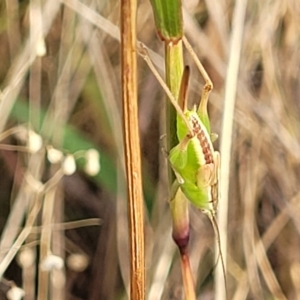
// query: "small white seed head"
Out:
[26,258]
[35,142]
[69,165]
[54,156]
[52,262]
[92,166]
[15,293]
[77,262]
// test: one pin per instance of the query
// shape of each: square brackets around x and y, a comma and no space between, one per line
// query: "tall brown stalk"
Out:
[132,148]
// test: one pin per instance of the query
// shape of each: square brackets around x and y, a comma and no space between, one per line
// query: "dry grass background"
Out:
[77,83]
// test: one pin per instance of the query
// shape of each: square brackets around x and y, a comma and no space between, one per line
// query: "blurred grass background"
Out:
[71,97]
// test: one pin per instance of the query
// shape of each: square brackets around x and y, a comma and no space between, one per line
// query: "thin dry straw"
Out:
[162,269]
[106,26]
[21,237]
[22,63]
[226,141]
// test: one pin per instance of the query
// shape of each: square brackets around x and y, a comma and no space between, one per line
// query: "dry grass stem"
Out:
[132,149]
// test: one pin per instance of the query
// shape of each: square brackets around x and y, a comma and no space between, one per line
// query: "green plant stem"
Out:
[174,70]
[181,233]
[169,25]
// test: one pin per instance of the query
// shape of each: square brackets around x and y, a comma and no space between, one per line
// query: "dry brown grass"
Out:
[77,82]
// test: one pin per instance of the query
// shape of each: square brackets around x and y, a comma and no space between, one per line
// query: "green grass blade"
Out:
[168,19]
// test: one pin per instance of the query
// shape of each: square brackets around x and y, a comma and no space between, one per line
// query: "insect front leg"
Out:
[179,155]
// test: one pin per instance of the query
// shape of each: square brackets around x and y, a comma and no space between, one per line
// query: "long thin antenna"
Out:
[214,223]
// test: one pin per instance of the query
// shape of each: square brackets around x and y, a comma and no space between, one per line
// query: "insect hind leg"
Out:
[207,88]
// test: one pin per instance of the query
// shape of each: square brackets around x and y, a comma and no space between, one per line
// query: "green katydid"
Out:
[194,160]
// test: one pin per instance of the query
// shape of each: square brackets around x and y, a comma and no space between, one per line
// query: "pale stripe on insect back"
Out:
[203,139]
